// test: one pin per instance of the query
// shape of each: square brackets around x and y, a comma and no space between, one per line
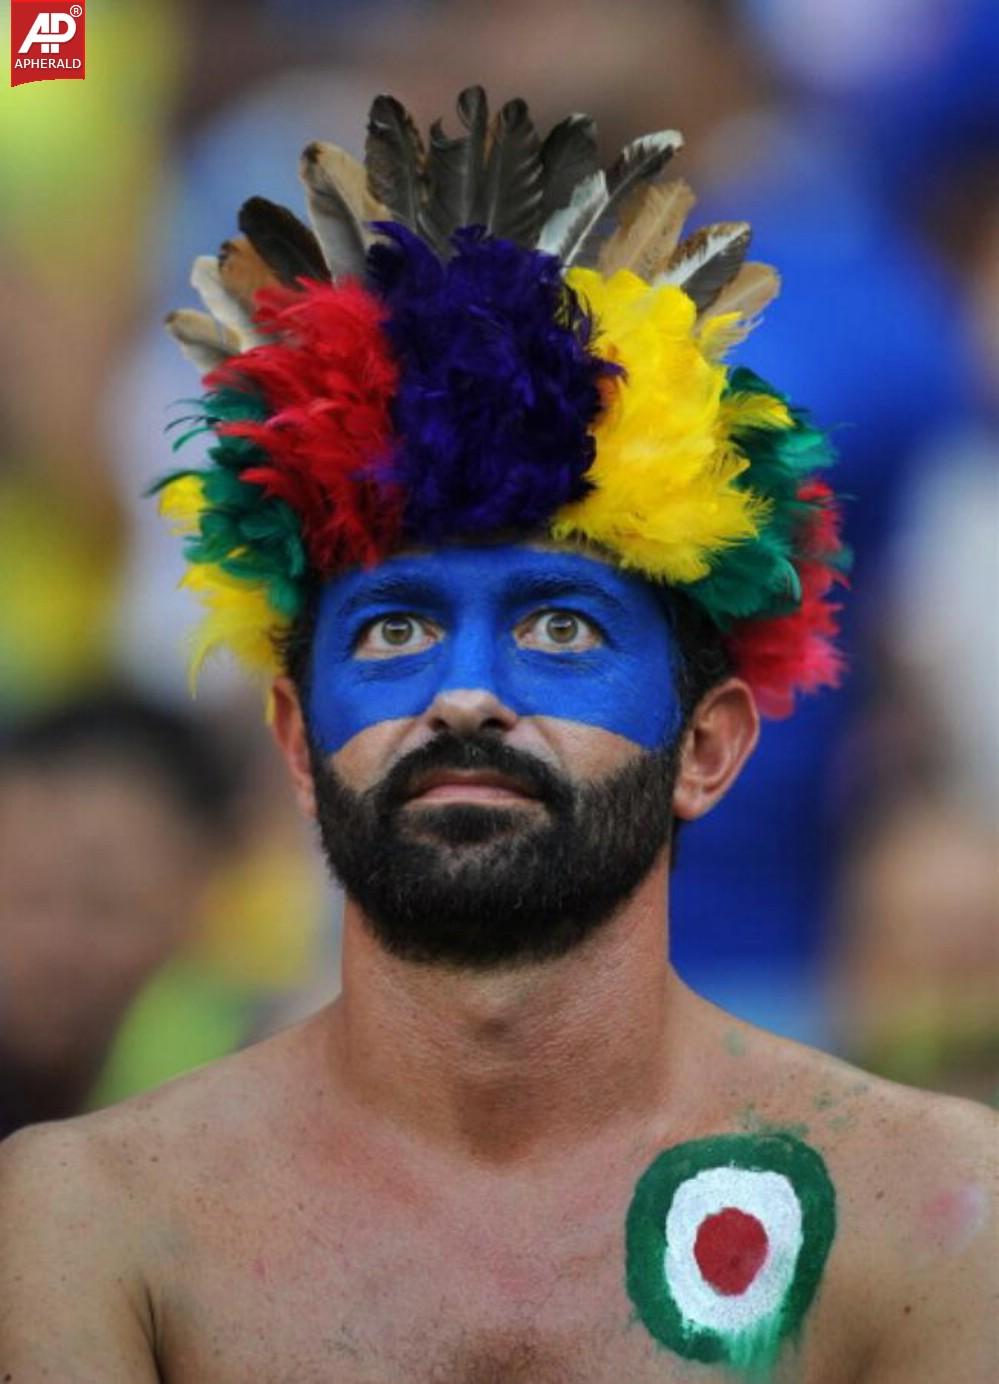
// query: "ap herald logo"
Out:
[46,43]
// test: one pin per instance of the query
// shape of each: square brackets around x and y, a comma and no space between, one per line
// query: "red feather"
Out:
[793,653]
[329,378]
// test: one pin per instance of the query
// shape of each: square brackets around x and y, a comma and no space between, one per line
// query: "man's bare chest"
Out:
[362,1292]
[372,1283]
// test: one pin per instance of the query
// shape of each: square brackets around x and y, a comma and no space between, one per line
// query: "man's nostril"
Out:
[468,710]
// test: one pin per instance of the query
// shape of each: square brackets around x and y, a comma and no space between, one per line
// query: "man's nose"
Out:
[468,710]
[469,696]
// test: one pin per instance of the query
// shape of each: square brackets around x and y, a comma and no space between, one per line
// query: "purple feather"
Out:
[498,385]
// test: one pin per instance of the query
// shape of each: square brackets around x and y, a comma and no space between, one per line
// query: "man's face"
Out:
[493,733]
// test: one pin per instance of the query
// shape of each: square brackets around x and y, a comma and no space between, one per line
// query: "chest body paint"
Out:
[726,1242]
[477,597]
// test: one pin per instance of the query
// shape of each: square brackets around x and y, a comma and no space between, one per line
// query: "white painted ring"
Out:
[769,1197]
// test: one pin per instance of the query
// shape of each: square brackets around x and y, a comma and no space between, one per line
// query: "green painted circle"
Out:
[646,1238]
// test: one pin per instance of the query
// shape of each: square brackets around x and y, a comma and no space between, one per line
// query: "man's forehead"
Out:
[507,552]
[470,567]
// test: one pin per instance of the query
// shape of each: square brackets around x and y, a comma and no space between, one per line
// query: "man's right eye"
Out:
[394,634]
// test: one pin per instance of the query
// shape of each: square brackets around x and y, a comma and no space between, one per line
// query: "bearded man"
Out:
[524,560]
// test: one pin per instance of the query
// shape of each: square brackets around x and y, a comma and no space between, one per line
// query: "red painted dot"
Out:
[730,1249]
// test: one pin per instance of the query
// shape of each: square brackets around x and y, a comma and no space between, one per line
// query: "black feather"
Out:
[454,172]
[568,155]
[512,190]
[395,159]
[282,241]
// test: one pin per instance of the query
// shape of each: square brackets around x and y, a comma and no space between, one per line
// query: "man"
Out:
[530,559]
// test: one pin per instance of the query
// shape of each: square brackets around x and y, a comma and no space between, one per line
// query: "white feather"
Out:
[226,309]
[572,233]
[336,189]
[569,224]
[695,253]
[202,338]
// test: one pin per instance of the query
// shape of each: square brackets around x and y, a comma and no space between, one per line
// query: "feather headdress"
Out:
[491,332]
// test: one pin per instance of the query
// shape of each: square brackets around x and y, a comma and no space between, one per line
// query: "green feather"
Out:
[758,577]
[251,535]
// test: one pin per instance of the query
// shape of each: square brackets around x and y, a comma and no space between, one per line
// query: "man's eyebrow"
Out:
[547,586]
[408,589]
[392,588]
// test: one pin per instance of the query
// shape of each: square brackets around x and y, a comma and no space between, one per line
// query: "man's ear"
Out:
[288,729]
[721,736]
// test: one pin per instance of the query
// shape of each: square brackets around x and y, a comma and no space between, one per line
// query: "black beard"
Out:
[482,887]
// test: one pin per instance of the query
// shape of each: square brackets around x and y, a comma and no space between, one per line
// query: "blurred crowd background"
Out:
[160,901]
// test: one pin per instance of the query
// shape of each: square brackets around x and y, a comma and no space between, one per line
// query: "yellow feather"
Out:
[717,335]
[181,502]
[742,411]
[238,615]
[665,498]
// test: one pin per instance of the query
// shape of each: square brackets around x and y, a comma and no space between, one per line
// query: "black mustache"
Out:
[474,752]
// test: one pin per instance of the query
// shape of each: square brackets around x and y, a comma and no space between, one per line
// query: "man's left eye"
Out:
[558,630]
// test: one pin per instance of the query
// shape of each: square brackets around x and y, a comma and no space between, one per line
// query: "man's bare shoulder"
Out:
[128,1150]
[836,1099]
[916,1177]
[891,1138]
[73,1300]
[919,1181]
[91,1207]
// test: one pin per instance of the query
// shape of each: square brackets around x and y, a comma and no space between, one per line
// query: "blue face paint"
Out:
[479,622]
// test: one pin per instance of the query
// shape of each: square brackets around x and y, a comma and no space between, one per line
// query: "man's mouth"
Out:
[469,786]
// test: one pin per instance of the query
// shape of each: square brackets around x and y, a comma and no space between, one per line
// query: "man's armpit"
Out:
[72,1306]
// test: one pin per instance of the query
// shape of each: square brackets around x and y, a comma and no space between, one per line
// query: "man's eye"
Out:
[394,634]
[558,629]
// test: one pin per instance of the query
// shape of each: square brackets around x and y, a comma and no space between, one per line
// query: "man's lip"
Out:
[472,785]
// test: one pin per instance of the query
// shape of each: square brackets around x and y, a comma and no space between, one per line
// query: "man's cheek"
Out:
[362,759]
[629,697]
[360,714]
[587,752]
[350,698]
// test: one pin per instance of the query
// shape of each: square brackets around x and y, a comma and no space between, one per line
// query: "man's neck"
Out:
[502,1066]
